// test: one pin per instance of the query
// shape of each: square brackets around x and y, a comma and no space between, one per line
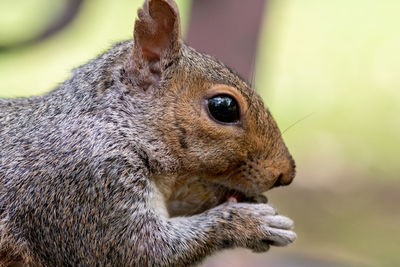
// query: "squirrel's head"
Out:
[213,123]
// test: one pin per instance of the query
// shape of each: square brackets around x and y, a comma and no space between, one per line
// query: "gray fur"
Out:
[77,169]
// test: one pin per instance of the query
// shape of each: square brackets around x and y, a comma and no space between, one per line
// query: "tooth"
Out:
[232,200]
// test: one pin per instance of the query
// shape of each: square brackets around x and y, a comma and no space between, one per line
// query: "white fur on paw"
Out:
[279,221]
[279,237]
[257,209]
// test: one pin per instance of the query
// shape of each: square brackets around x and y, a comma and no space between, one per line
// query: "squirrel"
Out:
[151,154]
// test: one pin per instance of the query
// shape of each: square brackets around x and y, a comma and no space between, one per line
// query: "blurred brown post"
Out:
[228,30]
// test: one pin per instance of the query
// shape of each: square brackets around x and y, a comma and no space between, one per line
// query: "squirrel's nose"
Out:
[287,174]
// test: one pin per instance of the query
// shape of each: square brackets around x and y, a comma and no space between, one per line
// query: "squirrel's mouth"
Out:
[197,195]
[235,196]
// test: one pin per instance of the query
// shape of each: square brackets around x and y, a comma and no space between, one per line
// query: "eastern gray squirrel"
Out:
[151,154]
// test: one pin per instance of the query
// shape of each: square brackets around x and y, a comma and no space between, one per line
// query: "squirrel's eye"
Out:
[224,108]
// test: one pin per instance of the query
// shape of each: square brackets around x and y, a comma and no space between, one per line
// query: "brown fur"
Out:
[123,165]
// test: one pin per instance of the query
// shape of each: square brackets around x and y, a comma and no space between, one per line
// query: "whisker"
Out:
[253,73]
[300,120]
[252,83]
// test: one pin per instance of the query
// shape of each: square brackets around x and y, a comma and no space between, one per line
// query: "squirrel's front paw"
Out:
[258,226]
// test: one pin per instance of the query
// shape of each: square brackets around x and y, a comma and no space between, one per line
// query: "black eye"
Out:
[224,108]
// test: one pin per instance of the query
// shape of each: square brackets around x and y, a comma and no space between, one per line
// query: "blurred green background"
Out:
[332,68]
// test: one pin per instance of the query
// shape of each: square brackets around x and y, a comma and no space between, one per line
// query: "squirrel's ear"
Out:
[157,33]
